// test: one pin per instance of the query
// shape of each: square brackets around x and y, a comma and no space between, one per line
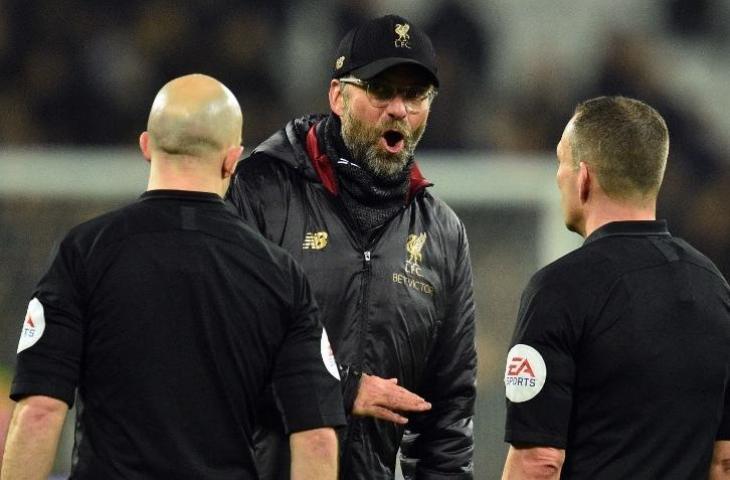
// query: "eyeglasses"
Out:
[415,97]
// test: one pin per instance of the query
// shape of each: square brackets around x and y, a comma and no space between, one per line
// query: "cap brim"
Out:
[372,69]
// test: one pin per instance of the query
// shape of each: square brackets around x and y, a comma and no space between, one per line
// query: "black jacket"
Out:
[396,304]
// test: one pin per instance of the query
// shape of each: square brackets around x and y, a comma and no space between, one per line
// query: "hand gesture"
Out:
[384,398]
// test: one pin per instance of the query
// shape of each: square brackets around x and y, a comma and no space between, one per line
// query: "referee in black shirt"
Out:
[170,316]
[620,361]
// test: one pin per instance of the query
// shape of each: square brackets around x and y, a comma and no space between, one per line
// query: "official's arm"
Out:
[720,467]
[47,371]
[533,463]
[538,414]
[33,438]
[314,454]
[306,388]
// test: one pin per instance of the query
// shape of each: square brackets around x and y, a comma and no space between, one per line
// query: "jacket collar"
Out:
[287,145]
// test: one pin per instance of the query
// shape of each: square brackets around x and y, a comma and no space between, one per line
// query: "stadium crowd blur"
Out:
[81,73]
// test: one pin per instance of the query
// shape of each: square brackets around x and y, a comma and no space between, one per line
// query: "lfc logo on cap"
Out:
[339,62]
[402,31]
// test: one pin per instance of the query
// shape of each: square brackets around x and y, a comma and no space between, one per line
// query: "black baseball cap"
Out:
[381,43]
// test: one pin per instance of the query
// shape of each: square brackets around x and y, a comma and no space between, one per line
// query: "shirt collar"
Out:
[181,195]
[639,228]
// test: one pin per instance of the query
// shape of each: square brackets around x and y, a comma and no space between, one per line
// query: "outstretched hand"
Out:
[384,398]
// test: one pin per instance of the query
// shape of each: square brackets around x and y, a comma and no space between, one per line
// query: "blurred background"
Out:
[77,79]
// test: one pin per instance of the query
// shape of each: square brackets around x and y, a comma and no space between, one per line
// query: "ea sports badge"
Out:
[328,356]
[525,373]
[33,325]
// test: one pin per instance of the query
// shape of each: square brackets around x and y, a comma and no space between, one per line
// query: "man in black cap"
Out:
[388,262]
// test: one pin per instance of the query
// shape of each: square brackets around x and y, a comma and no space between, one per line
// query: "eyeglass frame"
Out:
[372,98]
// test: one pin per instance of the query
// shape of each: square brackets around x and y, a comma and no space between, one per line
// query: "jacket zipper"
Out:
[364,307]
[356,423]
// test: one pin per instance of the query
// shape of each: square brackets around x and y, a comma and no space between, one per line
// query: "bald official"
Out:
[195,124]
[167,319]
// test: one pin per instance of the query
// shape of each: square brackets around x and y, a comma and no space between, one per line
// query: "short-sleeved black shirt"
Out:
[171,316]
[621,356]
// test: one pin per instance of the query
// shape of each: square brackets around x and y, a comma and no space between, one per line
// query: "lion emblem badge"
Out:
[403,38]
[414,245]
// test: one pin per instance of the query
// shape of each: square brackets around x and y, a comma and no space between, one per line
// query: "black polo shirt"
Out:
[621,356]
[170,316]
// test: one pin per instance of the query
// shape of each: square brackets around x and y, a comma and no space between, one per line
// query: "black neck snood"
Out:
[370,199]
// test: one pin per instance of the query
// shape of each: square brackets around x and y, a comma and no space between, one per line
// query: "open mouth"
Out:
[394,140]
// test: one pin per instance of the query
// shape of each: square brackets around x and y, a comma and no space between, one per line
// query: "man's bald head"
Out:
[195,115]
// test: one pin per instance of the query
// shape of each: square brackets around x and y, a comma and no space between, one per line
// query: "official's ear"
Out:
[337,101]
[585,182]
[233,155]
[144,145]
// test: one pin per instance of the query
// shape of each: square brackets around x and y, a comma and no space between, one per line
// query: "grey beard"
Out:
[362,142]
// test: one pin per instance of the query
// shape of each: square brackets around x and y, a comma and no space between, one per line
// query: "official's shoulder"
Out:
[102,222]
[100,230]
[256,245]
[582,267]
[697,258]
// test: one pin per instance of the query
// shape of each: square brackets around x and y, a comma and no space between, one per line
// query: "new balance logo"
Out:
[315,241]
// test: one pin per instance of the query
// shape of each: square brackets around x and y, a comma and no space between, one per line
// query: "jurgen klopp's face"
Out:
[381,132]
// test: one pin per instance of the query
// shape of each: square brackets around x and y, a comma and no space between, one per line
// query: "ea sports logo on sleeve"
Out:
[34,325]
[525,373]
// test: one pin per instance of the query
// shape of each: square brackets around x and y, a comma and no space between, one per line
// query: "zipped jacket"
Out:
[395,303]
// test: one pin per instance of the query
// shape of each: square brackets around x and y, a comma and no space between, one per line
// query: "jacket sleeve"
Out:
[440,444]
